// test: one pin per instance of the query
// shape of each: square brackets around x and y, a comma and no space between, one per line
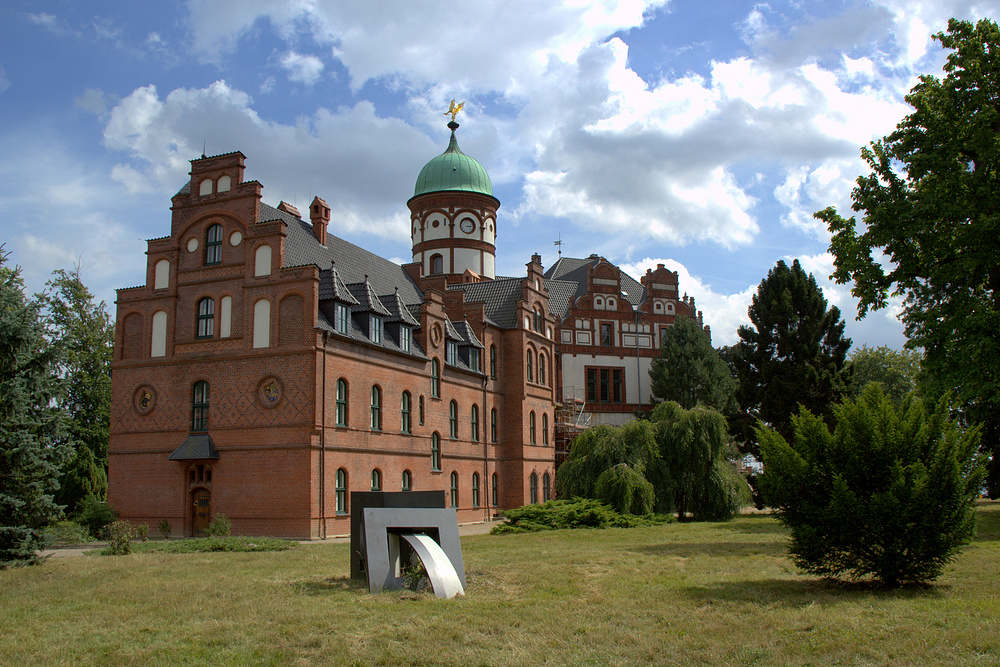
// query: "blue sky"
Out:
[702,135]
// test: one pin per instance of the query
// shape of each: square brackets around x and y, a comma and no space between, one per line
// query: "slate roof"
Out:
[500,296]
[367,302]
[398,311]
[561,295]
[352,262]
[331,286]
[196,446]
[464,329]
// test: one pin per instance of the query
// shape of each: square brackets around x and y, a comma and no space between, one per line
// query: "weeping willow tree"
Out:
[676,461]
[613,464]
[695,449]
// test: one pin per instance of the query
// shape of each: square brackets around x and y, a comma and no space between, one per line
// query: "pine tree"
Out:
[33,439]
[792,355]
[689,370]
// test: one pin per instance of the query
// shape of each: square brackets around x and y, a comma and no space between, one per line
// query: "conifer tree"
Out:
[689,370]
[33,442]
[792,354]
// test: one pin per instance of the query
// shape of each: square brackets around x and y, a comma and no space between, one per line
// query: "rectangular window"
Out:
[375,328]
[451,356]
[341,315]
[405,338]
[605,385]
[607,331]
[474,359]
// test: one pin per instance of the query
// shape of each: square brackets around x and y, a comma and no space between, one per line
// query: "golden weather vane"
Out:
[453,110]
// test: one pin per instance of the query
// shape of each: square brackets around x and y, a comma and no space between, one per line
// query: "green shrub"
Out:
[120,536]
[213,544]
[96,515]
[66,532]
[142,531]
[888,495]
[575,513]
[220,526]
[165,529]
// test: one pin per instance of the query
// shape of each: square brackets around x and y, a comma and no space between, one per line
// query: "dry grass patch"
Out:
[678,594]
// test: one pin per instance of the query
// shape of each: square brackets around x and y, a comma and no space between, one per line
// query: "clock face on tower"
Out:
[467,226]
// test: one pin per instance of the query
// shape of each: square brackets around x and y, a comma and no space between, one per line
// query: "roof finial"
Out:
[204,147]
[453,110]
[559,244]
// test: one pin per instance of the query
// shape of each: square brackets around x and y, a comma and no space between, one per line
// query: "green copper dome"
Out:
[453,170]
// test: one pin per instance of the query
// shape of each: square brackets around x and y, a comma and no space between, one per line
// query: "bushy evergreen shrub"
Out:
[95,515]
[220,526]
[888,495]
[165,528]
[575,513]
[120,536]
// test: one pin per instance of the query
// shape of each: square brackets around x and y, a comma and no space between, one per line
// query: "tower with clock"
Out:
[453,216]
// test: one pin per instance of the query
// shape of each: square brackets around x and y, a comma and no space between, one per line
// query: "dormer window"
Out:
[451,356]
[474,359]
[375,326]
[341,316]
[213,245]
[405,338]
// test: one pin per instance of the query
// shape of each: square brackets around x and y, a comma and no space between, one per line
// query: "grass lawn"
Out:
[676,594]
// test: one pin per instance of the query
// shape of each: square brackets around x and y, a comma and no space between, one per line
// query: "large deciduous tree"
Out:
[33,439]
[931,220]
[895,370]
[689,370]
[792,354]
[85,334]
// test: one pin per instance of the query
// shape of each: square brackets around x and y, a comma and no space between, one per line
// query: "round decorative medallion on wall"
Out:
[436,335]
[192,244]
[236,238]
[435,223]
[144,400]
[269,392]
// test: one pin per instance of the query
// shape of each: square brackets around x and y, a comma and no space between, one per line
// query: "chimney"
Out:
[319,213]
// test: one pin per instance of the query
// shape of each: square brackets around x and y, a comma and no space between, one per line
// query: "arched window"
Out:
[437,264]
[225,183]
[199,407]
[493,361]
[496,490]
[454,489]
[213,245]
[529,364]
[407,481]
[341,402]
[376,408]
[541,368]
[205,187]
[493,425]
[435,378]
[475,489]
[262,323]
[158,342]
[545,428]
[536,319]
[531,427]
[206,318]
[341,491]
[404,412]
[376,480]
[420,410]
[161,275]
[533,488]
[474,418]
[546,487]
[435,451]
[453,420]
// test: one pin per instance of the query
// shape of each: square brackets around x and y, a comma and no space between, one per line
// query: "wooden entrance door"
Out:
[201,512]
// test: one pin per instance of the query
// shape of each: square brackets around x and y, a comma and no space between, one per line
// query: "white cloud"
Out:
[302,68]
[92,100]
[339,155]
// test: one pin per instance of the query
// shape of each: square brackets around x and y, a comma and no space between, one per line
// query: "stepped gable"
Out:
[353,262]
[500,297]
[575,270]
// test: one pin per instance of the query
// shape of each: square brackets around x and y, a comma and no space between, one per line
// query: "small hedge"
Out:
[211,544]
[575,513]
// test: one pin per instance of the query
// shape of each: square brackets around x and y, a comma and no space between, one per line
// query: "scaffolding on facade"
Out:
[571,419]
